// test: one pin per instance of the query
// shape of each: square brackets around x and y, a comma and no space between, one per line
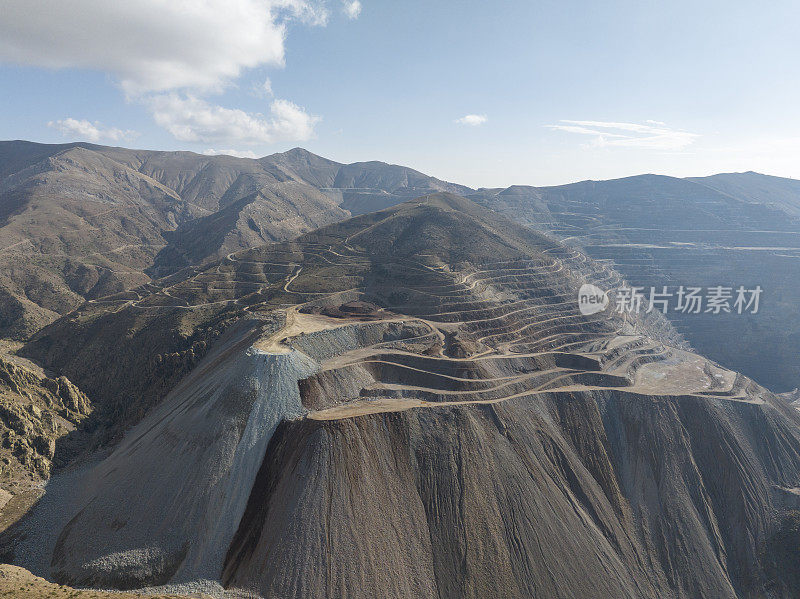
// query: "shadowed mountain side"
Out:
[263,217]
[320,192]
[359,182]
[435,226]
[77,225]
[654,201]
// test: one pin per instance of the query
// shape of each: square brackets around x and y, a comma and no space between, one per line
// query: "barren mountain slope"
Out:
[79,221]
[101,220]
[409,404]
[757,188]
[76,225]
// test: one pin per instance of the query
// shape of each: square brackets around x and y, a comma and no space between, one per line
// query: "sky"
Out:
[486,94]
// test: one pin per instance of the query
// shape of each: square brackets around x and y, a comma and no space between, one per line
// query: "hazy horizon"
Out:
[510,184]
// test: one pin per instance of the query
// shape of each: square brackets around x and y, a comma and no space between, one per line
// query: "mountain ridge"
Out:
[226,204]
[222,204]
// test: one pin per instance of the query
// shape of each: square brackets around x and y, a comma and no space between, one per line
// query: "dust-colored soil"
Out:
[297,323]
[18,582]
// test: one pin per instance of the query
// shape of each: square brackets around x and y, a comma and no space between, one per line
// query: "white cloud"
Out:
[473,120]
[90,131]
[653,135]
[192,119]
[236,153]
[153,45]
[352,8]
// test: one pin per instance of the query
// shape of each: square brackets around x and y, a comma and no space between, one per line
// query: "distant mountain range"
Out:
[81,221]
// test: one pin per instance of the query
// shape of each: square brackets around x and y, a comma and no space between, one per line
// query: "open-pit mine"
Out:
[408,403]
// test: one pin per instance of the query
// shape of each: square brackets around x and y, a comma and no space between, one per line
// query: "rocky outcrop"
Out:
[36,412]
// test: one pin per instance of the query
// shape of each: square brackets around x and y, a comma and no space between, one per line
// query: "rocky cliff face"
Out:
[35,412]
[471,434]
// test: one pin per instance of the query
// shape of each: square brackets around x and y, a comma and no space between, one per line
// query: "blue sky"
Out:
[552,92]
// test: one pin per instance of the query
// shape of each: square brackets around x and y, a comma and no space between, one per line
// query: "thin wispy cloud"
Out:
[472,120]
[650,135]
[263,90]
[236,153]
[91,131]
[352,8]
